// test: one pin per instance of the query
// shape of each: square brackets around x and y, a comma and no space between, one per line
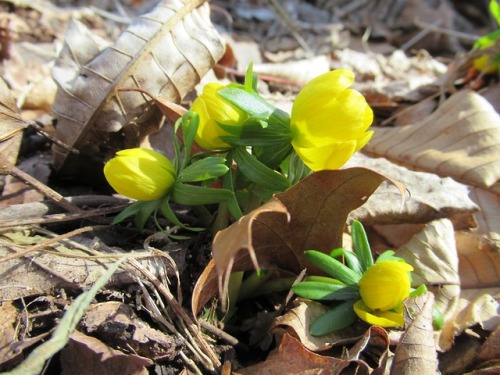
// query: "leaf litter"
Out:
[446,226]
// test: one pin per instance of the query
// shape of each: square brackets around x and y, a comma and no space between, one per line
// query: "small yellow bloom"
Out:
[212,108]
[329,121]
[383,288]
[140,174]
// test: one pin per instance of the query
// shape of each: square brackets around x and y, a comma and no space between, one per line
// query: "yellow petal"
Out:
[140,174]
[331,156]
[329,121]
[383,319]
[385,285]
[212,109]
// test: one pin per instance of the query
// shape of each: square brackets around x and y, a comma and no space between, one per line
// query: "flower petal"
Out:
[385,285]
[140,174]
[212,109]
[329,121]
[383,319]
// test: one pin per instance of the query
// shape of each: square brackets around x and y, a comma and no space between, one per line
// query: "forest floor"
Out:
[431,173]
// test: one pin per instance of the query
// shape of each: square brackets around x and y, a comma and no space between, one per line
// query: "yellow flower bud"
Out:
[212,108]
[383,288]
[329,121]
[140,174]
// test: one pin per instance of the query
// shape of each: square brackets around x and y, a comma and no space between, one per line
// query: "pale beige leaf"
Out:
[165,52]
[461,139]
[479,261]
[430,196]
[433,255]
[299,72]
[416,353]
[476,306]
[488,218]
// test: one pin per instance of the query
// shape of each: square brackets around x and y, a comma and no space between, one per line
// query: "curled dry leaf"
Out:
[430,196]
[317,208]
[88,355]
[416,353]
[433,255]
[165,52]
[292,358]
[297,321]
[11,128]
[479,261]
[460,139]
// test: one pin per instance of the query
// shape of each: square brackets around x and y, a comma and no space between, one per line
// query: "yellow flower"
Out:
[212,108]
[140,174]
[383,288]
[329,121]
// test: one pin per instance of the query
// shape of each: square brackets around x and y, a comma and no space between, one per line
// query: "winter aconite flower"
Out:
[140,174]
[213,109]
[383,288]
[329,121]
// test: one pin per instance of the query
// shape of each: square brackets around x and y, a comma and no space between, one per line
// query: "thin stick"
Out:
[179,311]
[45,190]
[50,241]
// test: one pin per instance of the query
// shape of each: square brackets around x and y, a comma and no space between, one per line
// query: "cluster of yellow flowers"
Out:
[254,147]
[328,124]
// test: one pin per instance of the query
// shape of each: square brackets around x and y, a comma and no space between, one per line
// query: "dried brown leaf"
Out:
[416,353]
[460,139]
[479,261]
[317,208]
[297,321]
[430,197]
[87,355]
[165,52]
[433,255]
[11,128]
[292,358]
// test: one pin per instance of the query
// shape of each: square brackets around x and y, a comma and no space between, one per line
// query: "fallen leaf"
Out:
[433,255]
[461,139]
[317,208]
[373,346]
[292,358]
[117,325]
[474,307]
[165,52]
[11,129]
[430,197]
[488,218]
[479,261]
[416,352]
[297,320]
[87,355]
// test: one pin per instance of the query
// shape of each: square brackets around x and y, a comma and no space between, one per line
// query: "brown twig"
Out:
[44,189]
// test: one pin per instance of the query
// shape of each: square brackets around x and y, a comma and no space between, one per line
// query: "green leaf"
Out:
[495,11]
[255,132]
[350,258]
[361,245]
[131,210]
[389,255]
[190,123]
[146,210]
[167,212]
[272,157]
[204,169]
[339,317]
[333,267]
[258,173]
[322,291]
[487,40]
[191,195]
[250,103]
